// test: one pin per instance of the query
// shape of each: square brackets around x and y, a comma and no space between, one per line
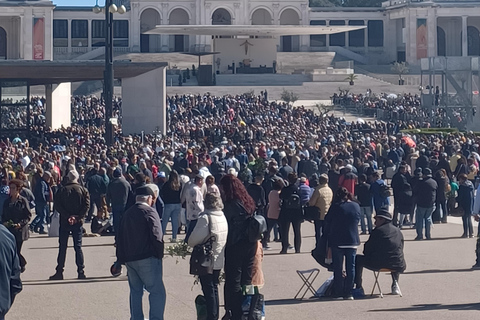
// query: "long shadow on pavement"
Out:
[435,239]
[83,246]
[434,306]
[72,281]
[280,302]
[438,271]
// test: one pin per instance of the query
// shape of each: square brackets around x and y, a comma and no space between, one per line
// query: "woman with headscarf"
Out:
[211,223]
[16,215]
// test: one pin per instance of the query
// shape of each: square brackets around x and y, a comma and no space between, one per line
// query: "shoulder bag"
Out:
[201,260]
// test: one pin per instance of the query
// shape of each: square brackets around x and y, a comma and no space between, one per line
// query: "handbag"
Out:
[253,306]
[256,226]
[201,260]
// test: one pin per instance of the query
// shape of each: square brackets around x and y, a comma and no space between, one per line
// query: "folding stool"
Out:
[308,277]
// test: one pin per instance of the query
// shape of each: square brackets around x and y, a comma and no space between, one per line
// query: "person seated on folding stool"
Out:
[383,250]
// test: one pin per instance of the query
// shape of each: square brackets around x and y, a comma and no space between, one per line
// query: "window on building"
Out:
[356,38]
[318,40]
[98,33]
[337,39]
[120,33]
[79,33]
[60,33]
[375,33]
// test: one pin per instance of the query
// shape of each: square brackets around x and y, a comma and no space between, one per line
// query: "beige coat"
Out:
[219,230]
[321,198]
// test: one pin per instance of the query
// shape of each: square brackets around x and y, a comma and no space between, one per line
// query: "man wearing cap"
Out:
[118,192]
[383,250]
[425,195]
[72,203]
[140,247]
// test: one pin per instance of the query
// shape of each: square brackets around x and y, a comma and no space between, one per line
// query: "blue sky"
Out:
[78,2]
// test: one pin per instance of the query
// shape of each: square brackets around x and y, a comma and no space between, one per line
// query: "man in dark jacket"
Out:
[425,196]
[256,191]
[384,249]
[42,196]
[140,246]
[72,203]
[291,213]
[10,283]
[118,192]
[365,199]
[285,169]
[399,180]
[97,187]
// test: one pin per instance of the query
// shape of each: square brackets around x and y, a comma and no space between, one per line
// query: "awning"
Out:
[249,30]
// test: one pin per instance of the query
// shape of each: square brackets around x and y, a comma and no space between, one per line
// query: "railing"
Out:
[455,118]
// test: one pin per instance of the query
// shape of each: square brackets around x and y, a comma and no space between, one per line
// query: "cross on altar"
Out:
[246,44]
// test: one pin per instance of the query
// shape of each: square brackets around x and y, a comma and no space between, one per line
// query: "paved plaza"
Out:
[438,283]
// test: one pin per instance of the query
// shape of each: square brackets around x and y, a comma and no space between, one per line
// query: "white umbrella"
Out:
[360,120]
[392,96]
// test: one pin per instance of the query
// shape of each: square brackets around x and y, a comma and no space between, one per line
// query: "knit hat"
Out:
[117,173]
[383,213]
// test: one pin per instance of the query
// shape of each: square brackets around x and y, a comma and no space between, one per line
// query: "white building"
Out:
[403,30]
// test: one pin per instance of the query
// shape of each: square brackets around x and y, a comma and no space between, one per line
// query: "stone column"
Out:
[365,35]
[28,34]
[69,39]
[432,33]
[464,36]
[135,28]
[89,42]
[165,39]
[347,40]
[48,51]
[327,36]
[58,105]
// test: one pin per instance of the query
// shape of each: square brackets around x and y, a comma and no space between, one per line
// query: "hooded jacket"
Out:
[465,196]
[384,248]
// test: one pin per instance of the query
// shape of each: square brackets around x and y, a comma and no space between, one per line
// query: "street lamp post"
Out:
[109,9]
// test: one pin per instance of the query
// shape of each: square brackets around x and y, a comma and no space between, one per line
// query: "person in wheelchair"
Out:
[383,250]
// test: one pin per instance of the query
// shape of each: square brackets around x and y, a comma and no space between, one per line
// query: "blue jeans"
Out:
[148,274]
[190,226]
[171,211]
[366,212]
[41,210]
[423,217]
[343,287]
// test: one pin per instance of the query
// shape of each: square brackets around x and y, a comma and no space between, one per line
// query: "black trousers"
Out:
[23,262]
[239,259]
[77,232]
[284,224]
[360,263]
[318,231]
[209,284]
[266,236]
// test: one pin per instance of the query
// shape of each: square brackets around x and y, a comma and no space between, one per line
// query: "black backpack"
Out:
[293,201]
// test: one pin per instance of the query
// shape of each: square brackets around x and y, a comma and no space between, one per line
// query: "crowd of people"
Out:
[404,107]
[223,159]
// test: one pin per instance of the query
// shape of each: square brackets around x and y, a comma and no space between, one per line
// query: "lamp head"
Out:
[122,9]
[113,8]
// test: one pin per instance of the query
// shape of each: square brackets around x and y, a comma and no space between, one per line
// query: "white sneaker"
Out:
[395,290]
